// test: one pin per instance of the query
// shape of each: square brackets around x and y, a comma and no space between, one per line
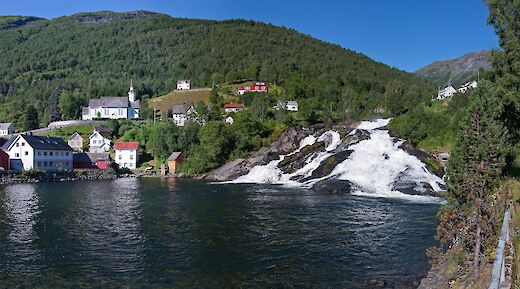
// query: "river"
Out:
[149,233]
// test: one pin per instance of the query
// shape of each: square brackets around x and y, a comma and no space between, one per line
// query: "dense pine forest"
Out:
[65,61]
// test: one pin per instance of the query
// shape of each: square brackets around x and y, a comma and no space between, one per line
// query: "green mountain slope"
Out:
[93,54]
[459,70]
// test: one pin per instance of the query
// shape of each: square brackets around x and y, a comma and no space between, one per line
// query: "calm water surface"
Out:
[171,233]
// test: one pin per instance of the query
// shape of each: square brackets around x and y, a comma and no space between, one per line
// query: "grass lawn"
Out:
[166,102]
[84,130]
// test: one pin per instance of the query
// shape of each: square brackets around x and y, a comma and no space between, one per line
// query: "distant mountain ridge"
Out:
[459,70]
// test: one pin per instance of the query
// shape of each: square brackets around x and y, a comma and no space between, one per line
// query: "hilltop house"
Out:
[175,161]
[91,161]
[233,107]
[467,86]
[6,129]
[127,155]
[292,106]
[256,87]
[28,152]
[184,85]
[183,113]
[113,107]
[446,92]
[76,142]
[99,140]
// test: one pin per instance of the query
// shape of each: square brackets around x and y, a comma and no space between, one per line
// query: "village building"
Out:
[446,92]
[99,140]
[230,120]
[183,113]
[92,161]
[76,142]
[113,107]
[28,152]
[6,129]
[256,87]
[175,161]
[467,86]
[292,106]
[4,160]
[127,154]
[233,107]
[184,84]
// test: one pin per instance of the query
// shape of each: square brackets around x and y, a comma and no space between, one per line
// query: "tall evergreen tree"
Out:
[31,120]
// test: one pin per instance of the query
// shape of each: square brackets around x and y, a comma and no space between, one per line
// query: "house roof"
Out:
[42,142]
[234,105]
[75,135]
[174,156]
[109,101]
[183,81]
[292,103]
[181,108]
[126,145]
[5,125]
[90,157]
[8,143]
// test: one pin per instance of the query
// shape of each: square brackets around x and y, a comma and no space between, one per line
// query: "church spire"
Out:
[131,92]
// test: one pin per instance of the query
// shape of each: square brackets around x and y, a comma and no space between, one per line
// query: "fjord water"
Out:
[168,233]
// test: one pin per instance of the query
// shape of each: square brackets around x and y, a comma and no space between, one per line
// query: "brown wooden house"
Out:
[175,162]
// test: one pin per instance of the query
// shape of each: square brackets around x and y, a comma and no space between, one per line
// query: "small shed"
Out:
[175,162]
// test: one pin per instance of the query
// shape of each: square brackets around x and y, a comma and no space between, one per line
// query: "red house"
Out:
[92,161]
[4,161]
[233,107]
[256,87]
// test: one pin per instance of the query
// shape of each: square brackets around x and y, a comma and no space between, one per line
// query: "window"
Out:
[39,164]
[51,164]
[45,164]
[16,155]
[44,153]
[67,153]
[51,153]
[120,157]
[39,153]
[67,164]
[17,145]
[131,157]
[26,153]
[23,144]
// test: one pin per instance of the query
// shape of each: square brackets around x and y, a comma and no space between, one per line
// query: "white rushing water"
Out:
[374,167]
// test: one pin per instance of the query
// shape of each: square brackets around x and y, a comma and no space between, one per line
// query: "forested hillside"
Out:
[68,60]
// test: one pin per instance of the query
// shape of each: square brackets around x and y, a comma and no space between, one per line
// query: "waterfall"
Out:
[376,166]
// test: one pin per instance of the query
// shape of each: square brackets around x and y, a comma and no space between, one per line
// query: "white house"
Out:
[230,120]
[99,140]
[291,106]
[446,93]
[233,107]
[76,142]
[28,152]
[113,107]
[6,129]
[467,86]
[127,154]
[184,84]
[183,113]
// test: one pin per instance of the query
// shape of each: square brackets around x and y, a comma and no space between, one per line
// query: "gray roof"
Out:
[42,142]
[109,101]
[75,135]
[91,157]
[174,156]
[180,108]
[183,80]
[5,125]
[292,103]
[136,104]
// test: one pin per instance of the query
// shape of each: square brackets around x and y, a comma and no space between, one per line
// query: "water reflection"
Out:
[21,204]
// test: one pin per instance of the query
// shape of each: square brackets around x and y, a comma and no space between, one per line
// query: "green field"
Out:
[166,102]
[84,130]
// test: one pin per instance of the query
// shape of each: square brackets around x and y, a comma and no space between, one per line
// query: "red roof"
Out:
[126,145]
[234,105]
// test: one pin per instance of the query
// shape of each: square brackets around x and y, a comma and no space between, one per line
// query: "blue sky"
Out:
[407,34]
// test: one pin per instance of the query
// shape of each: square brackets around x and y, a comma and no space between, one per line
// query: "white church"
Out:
[113,107]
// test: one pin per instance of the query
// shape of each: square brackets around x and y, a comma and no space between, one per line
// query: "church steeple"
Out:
[131,93]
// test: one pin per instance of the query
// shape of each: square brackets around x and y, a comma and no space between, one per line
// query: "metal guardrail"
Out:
[498,273]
